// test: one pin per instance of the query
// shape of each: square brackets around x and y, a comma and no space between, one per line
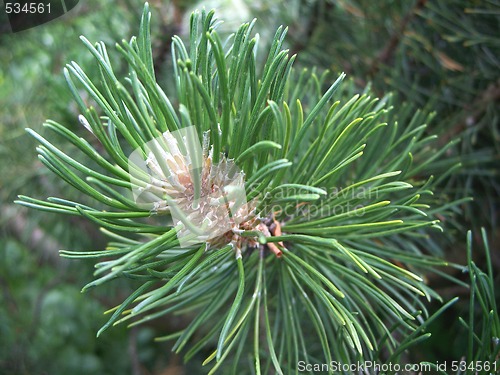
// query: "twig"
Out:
[302,41]
[473,111]
[170,26]
[37,310]
[37,239]
[132,352]
[387,52]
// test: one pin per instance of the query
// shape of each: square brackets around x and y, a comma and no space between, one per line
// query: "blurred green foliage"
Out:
[46,325]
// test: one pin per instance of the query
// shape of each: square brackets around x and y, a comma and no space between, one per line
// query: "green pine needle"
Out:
[341,194]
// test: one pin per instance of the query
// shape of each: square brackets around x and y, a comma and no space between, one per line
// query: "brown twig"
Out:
[386,54]
[38,239]
[302,41]
[8,297]
[37,309]
[171,24]
[473,111]
[264,229]
[136,367]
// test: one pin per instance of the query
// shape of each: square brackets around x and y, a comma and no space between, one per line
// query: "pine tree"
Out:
[322,259]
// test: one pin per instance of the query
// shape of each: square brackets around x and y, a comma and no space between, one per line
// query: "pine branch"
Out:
[252,189]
